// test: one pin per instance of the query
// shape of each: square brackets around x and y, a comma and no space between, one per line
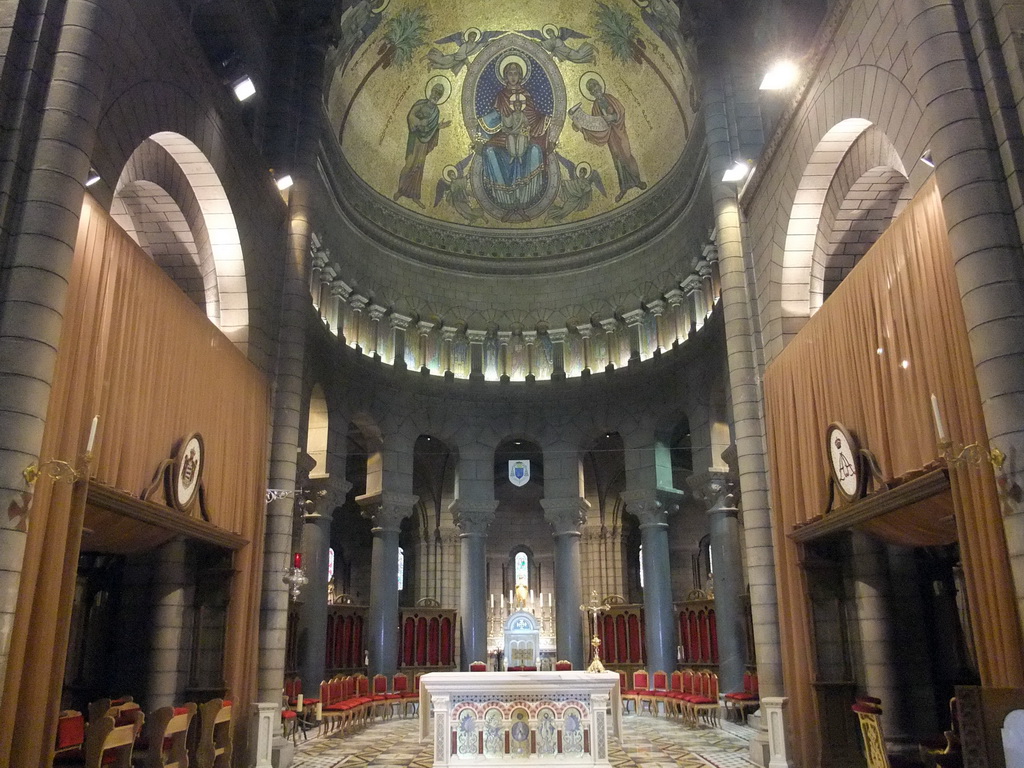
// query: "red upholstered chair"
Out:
[399,696]
[869,717]
[744,701]
[479,666]
[70,737]
[563,666]
[705,706]
[654,693]
[672,696]
[640,681]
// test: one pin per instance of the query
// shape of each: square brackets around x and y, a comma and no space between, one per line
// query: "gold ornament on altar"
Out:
[595,608]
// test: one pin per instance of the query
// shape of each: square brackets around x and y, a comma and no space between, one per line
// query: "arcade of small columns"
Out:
[566,509]
[514,354]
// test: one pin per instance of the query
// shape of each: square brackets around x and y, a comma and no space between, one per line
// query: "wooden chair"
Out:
[869,716]
[214,748]
[478,666]
[705,706]
[945,752]
[654,693]
[563,666]
[167,737]
[108,745]
[744,701]
[633,693]
[70,737]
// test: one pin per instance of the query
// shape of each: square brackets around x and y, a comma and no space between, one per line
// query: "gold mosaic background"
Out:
[373,83]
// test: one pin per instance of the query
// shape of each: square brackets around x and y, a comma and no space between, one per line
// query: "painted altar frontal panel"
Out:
[547,718]
[526,114]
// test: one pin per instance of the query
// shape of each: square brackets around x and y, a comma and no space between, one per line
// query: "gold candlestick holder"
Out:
[595,608]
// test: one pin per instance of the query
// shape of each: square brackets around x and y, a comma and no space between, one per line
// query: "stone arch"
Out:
[170,199]
[867,189]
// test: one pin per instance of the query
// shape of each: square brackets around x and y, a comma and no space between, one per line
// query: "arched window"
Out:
[522,566]
[641,566]
[401,568]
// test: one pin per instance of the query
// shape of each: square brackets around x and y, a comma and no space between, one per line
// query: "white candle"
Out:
[531,597]
[492,601]
[510,598]
[939,428]
[550,604]
[92,433]
[502,602]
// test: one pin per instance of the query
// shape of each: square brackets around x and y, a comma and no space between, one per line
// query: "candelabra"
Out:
[57,470]
[970,455]
[595,608]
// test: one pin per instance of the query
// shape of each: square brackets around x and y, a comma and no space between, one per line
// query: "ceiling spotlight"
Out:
[738,172]
[284,182]
[244,88]
[781,74]
[926,158]
[92,178]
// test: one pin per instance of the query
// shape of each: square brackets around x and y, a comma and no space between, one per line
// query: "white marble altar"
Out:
[550,718]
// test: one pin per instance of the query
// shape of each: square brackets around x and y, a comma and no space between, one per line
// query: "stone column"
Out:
[168,623]
[652,509]
[324,495]
[447,341]
[323,295]
[657,308]
[557,337]
[504,364]
[399,325]
[340,291]
[386,510]
[567,517]
[610,326]
[984,236]
[376,313]
[718,489]
[424,327]
[358,304]
[472,518]
[476,354]
[694,290]
[586,330]
[674,298]
[530,337]
[634,319]
[60,89]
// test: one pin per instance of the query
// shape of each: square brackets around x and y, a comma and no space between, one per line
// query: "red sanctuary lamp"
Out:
[296,578]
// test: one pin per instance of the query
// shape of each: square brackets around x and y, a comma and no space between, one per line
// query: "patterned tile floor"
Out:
[648,742]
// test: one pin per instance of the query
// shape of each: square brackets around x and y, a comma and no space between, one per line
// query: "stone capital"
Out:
[425,327]
[341,289]
[565,515]
[358,302]
[691,284]
[401,322]
[717,488]
[651,506]
[634,317]
[674,297]
[387,509]
[530,337]
[448,333]
[656,307]
[703,268]
[610,325]
[472,516]
[476,337]
[377,312]
[557,335]
[328,273]
[585,330]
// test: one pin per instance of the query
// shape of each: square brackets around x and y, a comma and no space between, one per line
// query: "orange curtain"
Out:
[892,334]
[135,350]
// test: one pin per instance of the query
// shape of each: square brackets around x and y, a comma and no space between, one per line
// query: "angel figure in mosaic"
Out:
[553,40]
[469,44]
[455,189]
[576,191]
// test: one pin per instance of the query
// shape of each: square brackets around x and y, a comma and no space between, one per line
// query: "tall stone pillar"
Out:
[718,489]
[472,518]
[567,516]
[652,509]
[476,354]
[984,235]
[610,326]
[58,88]
[386,510]
[376,313]
[746,397]
[657,308]
[674,298]
[168,623]
[316,540]
[634,320]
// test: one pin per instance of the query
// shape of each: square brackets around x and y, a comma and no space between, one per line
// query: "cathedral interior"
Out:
[345,338]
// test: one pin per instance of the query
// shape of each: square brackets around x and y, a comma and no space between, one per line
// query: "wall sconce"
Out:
[92,178]
[968,455]
[926,158]
[738,172]
[58,470]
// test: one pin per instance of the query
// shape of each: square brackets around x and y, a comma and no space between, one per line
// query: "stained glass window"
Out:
[522,569]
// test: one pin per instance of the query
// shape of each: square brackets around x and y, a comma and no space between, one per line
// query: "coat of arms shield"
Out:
[519,472]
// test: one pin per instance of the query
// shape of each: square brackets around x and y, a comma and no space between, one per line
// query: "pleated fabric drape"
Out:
[891,334]
[137,352]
